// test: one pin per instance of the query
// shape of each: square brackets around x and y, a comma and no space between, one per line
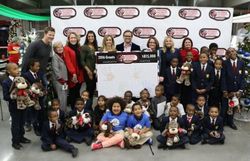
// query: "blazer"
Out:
[172,87]
[195,120]
[200,80]
[6,84]
[206,109]
[59,69]
[30,78]
[120,47]
[208,126]
[232,82]
[49,136]
[72,66]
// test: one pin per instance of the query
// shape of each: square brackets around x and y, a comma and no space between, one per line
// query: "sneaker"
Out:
[96,146]
[150,141]
[74,152]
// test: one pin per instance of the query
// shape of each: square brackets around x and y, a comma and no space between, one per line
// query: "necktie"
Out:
[35,75]
[203,69]
[234,67]
[53,127]
[213,121]
[218,74]
[174,73]
[189,119]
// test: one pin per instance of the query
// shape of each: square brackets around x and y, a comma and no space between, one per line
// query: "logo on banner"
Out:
[78,30]
[127,12]
[219,14]
[144,32]
[190,13]
[221,52]
[209,33]
[113,31]
[177,32]
[95,12]
[128,58]
[64,13]
[159,13]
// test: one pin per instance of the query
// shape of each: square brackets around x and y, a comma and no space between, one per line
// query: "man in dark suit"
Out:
[233,84]
[127,45]
[17,115]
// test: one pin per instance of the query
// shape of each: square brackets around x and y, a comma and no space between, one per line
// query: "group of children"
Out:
[125,122]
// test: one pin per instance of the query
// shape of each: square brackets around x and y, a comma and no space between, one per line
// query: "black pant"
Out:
[186,95]
[61,143]
[17,125]
[91,84]
[74,93]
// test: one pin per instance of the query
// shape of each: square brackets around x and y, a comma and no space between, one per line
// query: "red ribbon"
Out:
[22,92]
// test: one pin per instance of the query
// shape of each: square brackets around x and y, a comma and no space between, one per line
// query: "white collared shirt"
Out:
[216,72]
[34,74]
[205,66]
[51,124]
[189,118]
[11,77]
[82,112]
[58,112]
[211,120]
[127,47]
[232,62]
[175,120]
[173,69]
[201,108]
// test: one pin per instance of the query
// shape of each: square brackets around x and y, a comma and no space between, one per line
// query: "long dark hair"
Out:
[95,41]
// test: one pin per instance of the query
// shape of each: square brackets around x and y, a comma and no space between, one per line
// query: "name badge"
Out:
[240,71]
[65,87]
[207,76]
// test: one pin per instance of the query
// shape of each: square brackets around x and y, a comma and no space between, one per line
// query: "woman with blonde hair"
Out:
[73,64]
[167,53]
[108,44]
[60,74]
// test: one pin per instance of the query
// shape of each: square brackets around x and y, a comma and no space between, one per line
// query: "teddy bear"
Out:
[233,102]
[20,92]
[36,92]
[185,74]
[107,128]
[78,121]
[172,133]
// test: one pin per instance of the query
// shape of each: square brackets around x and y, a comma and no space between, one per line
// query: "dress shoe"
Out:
[74,152]
[17,146]
[233,126]
[25,140]
[88,141]
[162,146]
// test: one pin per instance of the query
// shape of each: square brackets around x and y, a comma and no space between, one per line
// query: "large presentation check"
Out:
[118,72]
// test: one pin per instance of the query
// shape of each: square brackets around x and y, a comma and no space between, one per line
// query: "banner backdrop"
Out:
[202,24]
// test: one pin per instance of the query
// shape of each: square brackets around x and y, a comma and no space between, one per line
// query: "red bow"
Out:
[22,92]
[80,119]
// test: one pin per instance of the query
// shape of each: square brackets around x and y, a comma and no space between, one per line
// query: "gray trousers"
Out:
[62,95]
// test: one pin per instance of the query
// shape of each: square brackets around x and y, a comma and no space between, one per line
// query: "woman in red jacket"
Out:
[187,46]
[73,64]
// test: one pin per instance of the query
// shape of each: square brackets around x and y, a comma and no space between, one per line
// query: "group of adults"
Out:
[74,64]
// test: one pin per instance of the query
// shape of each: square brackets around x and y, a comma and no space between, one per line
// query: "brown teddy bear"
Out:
[36,92]
[172,133]
[19,91]
[185,74]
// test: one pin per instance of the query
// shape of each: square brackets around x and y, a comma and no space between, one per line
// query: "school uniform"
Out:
[232,81]
[154,102]
[35,117]
[179,106]
[171,87]
[97,115]
[53,135]
[60,78]
[215,94]
[81,134]
[138,124]
[163,139]
[88,105]
[17,115]
[202,78]
[195,135]
[213,125]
